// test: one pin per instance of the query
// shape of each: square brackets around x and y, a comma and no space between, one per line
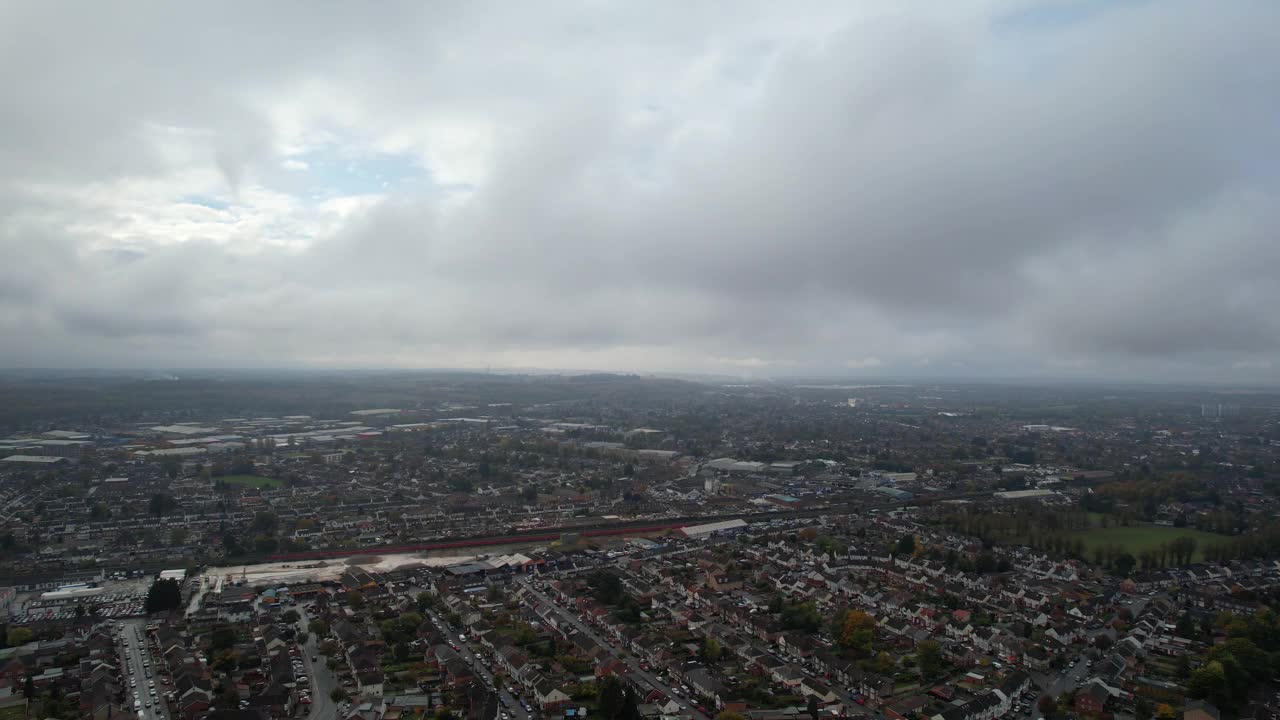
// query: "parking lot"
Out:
[107,605]
[121,599]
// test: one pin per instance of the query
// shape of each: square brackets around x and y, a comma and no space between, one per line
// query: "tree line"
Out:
[1262,543]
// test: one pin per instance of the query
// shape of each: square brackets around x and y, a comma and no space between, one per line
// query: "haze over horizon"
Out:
[978,188]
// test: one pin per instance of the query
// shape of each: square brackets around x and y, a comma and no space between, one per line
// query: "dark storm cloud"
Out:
[832,189]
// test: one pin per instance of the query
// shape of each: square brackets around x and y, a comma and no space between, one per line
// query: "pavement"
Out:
[576,622]
[1072,678]
[511,703]
[323,680]
[1054,684]
[134,651]
[198,595]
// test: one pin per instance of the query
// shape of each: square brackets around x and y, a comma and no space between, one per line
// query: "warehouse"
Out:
[894,493]
[1024,494]
[184,430]
[72,593]
[699,532]
[172,452]
[66,435]
[35,459]
[57,448]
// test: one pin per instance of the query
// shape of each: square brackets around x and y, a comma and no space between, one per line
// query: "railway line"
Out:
[536,535]
[637,527]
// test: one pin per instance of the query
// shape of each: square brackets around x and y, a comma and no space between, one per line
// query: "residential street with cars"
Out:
[671,690]
[321,678]
[512,706]
[142,692]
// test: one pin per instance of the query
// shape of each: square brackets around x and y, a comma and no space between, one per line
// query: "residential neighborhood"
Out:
[506,565]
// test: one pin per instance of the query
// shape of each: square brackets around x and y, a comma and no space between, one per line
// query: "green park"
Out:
[1136,539]
[255,481]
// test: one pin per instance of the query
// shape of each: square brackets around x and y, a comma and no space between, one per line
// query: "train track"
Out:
[532,536]
[636,527]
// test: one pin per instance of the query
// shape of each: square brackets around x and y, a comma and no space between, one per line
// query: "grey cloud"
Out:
[741,185]
[1203,283]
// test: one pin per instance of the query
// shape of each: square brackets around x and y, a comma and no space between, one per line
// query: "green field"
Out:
[1137,538]
[256,481]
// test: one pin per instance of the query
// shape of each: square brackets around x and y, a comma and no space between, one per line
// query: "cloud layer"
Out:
[971,188]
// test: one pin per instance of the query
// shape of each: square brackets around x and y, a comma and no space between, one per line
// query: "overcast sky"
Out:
[970,187]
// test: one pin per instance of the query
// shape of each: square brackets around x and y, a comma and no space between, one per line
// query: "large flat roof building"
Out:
[34,459]
[710,529]
[184,430]
[1024,494]
[737,467]
[66,435]
[173,452]
[894,493]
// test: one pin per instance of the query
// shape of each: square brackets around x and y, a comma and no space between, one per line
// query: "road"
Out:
[198,595]
[1072,678]
[31,499]
[323,680]
[133,652]
[1069,678]
[481,665]
[581,627]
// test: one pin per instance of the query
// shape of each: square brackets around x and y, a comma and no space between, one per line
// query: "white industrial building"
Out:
[737,467]
[72,593]
[34,459]
[699,532]
[172,452]
[1024,494]
[184,430]
[66,435]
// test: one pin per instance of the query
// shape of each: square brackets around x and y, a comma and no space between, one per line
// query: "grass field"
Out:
[256,481]
[1137,538]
